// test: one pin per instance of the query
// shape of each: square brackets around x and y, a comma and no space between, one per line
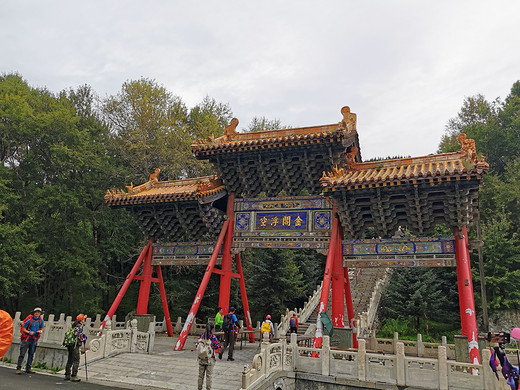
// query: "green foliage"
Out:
[63,249]
[407,331]
[264,124]
[495,127]
[277,279]
[149,127]
[420,296]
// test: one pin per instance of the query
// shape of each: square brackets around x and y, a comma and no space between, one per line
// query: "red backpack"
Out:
[25,336]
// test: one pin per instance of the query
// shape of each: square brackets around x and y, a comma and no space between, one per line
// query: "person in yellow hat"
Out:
[73,358]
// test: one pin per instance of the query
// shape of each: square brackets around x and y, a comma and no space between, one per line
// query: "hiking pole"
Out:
[85,353]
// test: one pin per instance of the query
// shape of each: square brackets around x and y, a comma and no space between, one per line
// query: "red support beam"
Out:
[146,282]
[147,248]
[202,288]
[324,298]
[466,299]
[220,272]
[226,237]
[243,294]
[225,276]
[164,301]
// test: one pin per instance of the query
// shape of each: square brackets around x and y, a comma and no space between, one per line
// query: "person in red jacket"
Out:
[293,323]
[31,331]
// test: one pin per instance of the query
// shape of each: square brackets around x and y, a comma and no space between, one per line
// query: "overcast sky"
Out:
[404,67]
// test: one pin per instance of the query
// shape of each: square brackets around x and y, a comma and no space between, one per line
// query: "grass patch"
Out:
[408,332]
[44,366]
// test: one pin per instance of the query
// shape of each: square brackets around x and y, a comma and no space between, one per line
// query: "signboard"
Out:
[400,252]
[184,253]
[288,222]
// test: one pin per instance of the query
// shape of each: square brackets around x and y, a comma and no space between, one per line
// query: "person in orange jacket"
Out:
[6,332]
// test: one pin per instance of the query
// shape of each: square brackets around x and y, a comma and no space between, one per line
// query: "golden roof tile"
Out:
[233,141]
[155,191]
[442,166]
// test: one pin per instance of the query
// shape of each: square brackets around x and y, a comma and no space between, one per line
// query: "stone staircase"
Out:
[362,284]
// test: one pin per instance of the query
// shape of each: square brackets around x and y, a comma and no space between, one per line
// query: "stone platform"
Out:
[165,368]
[169,369]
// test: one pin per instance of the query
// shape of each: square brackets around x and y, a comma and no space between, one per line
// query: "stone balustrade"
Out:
[290,361]
[117,337]
[303,314]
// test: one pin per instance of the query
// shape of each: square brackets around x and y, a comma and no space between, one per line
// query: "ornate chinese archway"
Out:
[417,192]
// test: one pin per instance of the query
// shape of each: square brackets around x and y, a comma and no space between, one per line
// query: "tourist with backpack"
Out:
[32,327]
[231,329]
[293,323]
[73,339]
[207,345]
[267,327]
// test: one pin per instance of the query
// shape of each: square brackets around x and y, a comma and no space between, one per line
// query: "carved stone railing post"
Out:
[178,325]
[133,335]
[294,347]
[325,356]
[420,345]
[372,341]
[245,374]
[396,339]
[399,363]
[151,337]
[97,322]
[49,322]
[362,357]
[283,349]
[489,380]
[108,341]
[265,353]
[443,368]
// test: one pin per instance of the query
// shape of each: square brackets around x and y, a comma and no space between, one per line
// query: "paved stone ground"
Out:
[168,369]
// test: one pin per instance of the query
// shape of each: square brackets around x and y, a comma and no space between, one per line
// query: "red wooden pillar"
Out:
[164,301]
[338,284]
[243,294]
[146,282]
[324,298]
[225,276]
[466,299]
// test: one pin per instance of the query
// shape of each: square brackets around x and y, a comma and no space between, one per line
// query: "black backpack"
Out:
[227,322]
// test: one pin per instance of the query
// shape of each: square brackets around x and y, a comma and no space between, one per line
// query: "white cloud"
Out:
[403,66]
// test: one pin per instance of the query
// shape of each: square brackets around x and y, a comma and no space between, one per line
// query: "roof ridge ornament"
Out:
[231,129]
[468,147]
[335,174]
[349,119]
[351,158]
[154,177]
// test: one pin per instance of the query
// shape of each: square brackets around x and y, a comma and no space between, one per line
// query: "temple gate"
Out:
[349,200]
